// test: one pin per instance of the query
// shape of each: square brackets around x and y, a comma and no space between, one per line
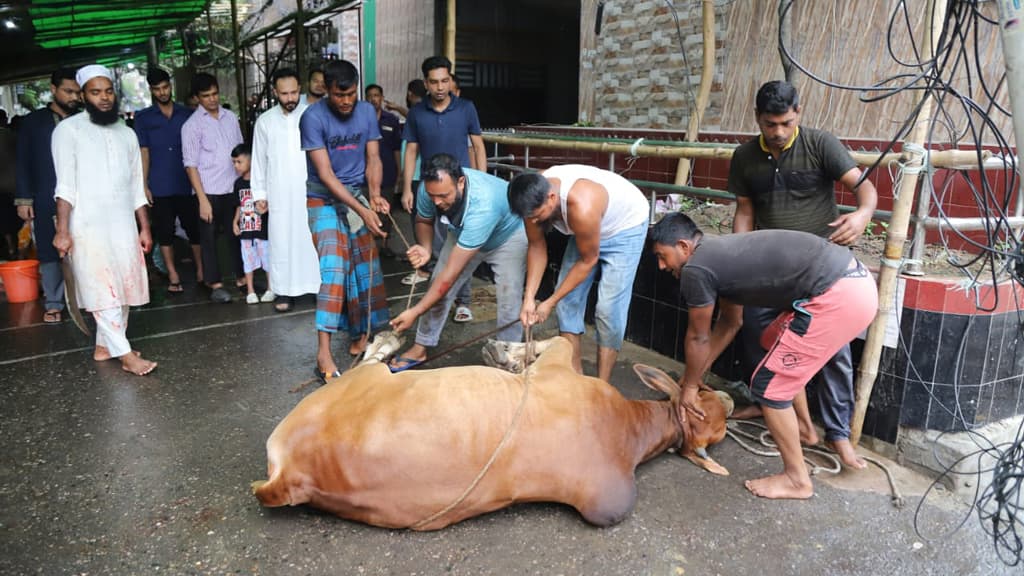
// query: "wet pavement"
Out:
[107,473]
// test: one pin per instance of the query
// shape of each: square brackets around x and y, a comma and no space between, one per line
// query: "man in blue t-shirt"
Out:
[167,187]
[481,228]
[340,136]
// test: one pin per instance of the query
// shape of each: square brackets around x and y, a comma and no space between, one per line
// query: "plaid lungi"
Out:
[347,290]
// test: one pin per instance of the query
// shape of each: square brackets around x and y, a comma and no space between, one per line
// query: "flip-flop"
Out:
[406,363]
[463,314]
[52,317]
[283,305]
[322,376]
[175,288]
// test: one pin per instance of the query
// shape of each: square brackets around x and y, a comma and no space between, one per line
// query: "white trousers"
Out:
[112,330]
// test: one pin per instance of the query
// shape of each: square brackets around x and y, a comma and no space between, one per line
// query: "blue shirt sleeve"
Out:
[410,127]
[373,127]
[140,131]
[472,120]
[311,130]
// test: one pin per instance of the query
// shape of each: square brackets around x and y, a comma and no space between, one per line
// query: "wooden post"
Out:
[300,40]
[895,236]
[588,51]
[707,74]
[449,33]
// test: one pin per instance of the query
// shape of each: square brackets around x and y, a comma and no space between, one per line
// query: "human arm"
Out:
[62,236]
[145,235]
[191,148]
[536,262]
[703,344]
[24,195]
[205,209]
[259,163]
[392,107]
[743,217]
[234,221]
[478,152]
[144,152]
[443,282]
[322,164]
[412,150]
[849,227]
[374,174]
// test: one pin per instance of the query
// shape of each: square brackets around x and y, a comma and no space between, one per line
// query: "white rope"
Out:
[636,145]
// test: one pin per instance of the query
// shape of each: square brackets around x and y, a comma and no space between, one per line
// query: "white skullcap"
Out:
[86,73]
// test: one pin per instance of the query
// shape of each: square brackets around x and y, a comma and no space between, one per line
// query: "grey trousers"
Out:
[835,380]
[53,285]
[509,264]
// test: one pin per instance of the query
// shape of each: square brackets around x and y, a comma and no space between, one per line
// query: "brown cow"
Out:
[399,450]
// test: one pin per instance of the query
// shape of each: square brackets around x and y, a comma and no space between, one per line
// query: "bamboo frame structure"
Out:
[707,74]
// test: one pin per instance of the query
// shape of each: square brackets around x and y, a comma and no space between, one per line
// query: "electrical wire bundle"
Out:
[956,59]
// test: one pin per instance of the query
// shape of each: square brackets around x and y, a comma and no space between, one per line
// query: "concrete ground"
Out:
[108,473]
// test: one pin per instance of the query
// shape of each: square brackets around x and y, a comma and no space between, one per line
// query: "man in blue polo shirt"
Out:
[481,228]
[167,187]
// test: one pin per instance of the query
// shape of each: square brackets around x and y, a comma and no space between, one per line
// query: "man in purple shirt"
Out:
[207,139]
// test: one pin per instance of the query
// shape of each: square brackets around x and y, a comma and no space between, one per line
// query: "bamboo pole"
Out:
[895,237]
[707,151]
[707,74]
[243,103]
[449,33]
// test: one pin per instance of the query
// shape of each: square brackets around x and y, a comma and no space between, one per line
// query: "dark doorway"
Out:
[518,60]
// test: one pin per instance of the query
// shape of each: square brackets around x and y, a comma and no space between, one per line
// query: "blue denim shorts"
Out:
[617,263]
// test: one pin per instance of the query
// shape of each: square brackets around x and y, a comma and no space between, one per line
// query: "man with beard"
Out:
[316,88]
[474,207]
[340,137]
[278,176]
[101,216]
[207,139]
[167,188]
[606,218]
[35,182]
[785,179]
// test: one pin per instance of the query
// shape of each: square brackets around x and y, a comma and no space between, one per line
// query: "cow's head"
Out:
[717,406]
[384,345]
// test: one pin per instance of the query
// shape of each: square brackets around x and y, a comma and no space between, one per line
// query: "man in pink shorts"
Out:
[829,298]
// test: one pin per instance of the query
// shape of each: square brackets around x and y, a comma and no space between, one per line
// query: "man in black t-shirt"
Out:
[826,297]
[784,179]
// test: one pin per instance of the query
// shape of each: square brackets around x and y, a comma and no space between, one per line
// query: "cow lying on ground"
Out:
[394,450]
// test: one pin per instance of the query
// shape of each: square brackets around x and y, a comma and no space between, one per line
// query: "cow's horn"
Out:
[726,401]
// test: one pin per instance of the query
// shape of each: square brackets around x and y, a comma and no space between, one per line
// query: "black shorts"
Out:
[166,209]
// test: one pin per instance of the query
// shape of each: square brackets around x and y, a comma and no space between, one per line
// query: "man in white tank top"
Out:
[606,218]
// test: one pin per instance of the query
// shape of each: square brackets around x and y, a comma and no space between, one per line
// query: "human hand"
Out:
[389,105]
[418,255]
[407,198]
[528,314]
[26,213]
[372,222]
[689,404]
[149,196]
[404,320]
[544,310]
[379,204]
[236,229]
[849,227]
[146,240]
[261,206]
[62,242]
[205,210]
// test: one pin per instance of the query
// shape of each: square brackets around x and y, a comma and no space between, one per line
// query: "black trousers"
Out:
[222,225]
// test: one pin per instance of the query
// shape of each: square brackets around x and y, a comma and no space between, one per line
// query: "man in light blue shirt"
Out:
[481,228]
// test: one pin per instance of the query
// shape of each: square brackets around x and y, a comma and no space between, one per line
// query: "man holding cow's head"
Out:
[826,297]
[481,228]
[606,219]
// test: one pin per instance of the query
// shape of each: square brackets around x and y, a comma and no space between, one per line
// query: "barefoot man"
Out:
[784,179]
[101,215]
[826,297]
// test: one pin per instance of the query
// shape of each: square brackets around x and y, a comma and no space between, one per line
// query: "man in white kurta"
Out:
[101,216]
[278,181]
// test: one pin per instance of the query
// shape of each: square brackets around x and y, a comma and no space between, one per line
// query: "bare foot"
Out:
[809,437]
[137,364]
[101,354]
[357,346]
[747,412]
[779,487]
[847,455]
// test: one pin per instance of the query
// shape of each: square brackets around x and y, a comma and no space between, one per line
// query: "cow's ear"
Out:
[657,379]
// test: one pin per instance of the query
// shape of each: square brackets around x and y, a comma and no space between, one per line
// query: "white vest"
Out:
[627,207]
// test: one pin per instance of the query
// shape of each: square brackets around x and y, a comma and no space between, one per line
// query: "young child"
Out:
[250,226]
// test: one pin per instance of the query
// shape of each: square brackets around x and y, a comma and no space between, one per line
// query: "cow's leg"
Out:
[609,500]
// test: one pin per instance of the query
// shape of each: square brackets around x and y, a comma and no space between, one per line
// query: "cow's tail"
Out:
[275,491]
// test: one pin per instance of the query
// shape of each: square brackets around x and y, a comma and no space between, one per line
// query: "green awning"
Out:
[106,23]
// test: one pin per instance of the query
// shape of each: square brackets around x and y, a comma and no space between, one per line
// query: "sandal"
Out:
[414,278]
[284,305]
[401,364]
[463,314]
[175,288]
[322,376]
[52,317]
